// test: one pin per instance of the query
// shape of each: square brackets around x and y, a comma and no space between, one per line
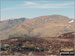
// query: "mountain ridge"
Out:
[43,26]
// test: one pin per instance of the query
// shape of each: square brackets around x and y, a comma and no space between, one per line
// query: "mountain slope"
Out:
[43,26]
[4,25]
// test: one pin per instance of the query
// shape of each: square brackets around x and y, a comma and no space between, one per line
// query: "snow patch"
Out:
[71,21]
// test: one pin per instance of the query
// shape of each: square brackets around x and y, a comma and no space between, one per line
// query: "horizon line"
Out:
[34,17]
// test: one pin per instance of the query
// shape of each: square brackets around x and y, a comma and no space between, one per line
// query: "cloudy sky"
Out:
[30,9]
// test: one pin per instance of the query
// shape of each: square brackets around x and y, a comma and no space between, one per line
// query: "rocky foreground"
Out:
[37,46]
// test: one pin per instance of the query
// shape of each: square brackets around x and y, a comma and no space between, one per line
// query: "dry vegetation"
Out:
[38,46]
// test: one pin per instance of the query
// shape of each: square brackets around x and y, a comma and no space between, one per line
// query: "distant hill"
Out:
[4,25]
[43,26]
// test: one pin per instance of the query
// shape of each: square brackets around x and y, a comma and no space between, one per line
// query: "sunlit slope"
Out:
[43,26]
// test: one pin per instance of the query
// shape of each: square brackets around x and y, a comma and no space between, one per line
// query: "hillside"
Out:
[6,24]
[43,26]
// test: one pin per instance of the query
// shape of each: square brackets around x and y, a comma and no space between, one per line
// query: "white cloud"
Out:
[50,5]
[19,6]
[11,8]
[53,6]
[29,3]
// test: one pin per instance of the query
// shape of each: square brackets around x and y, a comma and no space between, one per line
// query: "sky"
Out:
[29,9]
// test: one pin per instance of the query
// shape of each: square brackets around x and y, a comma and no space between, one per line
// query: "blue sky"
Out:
[30,9]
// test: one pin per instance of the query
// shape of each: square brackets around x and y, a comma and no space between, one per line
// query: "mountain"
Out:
[4,25]
[43,26]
